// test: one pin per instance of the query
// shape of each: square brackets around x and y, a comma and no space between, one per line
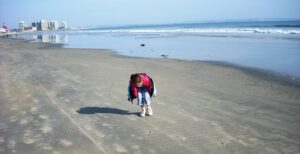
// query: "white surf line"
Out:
[72,120]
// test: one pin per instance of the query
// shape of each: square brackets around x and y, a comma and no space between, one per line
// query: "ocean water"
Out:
[272,45]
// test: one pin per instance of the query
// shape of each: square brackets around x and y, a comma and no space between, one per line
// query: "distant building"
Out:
[30,28]
[38,26]
[63,25]
[42,25]
[34,24]
[22,25]
[53,25]
[4,28]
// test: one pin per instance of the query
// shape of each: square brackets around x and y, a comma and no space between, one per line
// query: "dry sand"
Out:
[59,101]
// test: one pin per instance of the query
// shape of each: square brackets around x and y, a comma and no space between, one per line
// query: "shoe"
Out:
[149,111]
[143,113]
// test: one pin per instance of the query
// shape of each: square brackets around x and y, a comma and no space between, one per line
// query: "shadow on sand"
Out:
[95,110]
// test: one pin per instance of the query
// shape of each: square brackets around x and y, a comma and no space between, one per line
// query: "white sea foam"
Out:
[198,30]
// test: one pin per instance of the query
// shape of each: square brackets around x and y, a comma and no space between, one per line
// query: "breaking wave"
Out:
[197,30]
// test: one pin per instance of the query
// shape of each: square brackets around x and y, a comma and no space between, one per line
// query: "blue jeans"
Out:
[143,96]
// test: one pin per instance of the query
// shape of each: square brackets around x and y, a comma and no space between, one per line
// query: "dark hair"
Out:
[134,78]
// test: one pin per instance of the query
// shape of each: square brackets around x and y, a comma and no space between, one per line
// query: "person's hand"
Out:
[131,100]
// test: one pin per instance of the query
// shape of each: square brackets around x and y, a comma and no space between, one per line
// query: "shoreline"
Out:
[268,75]
[278,77]
[252,52]
[60,100]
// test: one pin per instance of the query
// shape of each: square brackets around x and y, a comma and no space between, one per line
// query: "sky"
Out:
[130,12]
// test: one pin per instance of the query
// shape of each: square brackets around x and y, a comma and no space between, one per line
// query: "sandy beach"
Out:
[59,101]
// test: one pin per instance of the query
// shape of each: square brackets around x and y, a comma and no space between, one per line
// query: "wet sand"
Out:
[56,100]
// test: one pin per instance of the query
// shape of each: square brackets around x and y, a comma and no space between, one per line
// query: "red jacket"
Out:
[147,82]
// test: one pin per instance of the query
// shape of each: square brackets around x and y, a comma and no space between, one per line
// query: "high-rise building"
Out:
[63,25]
[53,25]
[42,25]
[38,26]
[34,24]
[22,25]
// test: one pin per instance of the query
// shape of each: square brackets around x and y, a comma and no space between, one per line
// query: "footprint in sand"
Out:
[44,117]
[33,110]
[45,146]
[14,108]
[182,138]
[23,113]
[105,124]
[88,127]
[65,143]
[23,122]
[120,148]
[11,144]
[100,134]
[151,151]
[28,95]
[28,140]
[132,118]
[56,152]
[135,147]
[13,119]
[1,140]
[195,118]
[161,103]
[46,129]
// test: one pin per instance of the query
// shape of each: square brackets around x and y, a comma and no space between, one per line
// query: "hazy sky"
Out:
[123,12]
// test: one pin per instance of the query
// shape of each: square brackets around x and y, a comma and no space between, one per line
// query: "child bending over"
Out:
[142,87]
